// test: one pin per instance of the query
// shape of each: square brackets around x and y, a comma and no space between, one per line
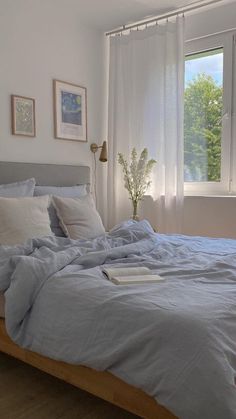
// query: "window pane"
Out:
[203,116]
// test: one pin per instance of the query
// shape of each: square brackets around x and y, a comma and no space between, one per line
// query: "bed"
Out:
[99,383]
[161,351]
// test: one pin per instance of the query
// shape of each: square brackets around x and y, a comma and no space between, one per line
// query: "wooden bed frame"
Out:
[101,384]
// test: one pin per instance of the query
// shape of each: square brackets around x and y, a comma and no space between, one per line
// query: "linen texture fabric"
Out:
[23,218]
[76,191]
[18,189]
[78,217]
[146,98]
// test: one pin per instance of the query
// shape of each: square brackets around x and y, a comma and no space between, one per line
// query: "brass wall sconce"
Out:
[103,155]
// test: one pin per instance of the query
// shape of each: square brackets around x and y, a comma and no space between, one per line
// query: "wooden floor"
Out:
[27,393]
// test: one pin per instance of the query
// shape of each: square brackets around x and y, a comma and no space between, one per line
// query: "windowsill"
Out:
[207,195]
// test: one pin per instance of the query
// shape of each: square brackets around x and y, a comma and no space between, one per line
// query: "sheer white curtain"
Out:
[146,87]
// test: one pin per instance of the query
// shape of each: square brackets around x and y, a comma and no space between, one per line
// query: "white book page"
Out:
[137,279]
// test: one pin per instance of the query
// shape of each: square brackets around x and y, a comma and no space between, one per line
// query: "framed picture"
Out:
[23,116]
[70,111]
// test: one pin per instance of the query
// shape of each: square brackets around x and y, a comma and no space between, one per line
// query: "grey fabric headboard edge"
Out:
[44,174]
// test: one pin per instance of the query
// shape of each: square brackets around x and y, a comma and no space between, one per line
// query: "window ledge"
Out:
[204,195]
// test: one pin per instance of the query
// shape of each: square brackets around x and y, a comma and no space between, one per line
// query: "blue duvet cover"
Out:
[175,339]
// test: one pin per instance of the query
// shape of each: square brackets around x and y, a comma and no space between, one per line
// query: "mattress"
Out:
[2,305]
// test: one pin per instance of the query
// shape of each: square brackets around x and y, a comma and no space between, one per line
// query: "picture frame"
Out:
[70,111]
[23,116]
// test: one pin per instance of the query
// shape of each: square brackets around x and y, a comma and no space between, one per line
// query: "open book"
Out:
[127,276]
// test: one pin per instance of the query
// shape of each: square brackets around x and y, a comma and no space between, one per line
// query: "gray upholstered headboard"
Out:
[44,174]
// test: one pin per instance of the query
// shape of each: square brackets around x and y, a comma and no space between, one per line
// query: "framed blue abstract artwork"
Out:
[70,111]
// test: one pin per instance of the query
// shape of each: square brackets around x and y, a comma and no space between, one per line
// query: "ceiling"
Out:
[110,14]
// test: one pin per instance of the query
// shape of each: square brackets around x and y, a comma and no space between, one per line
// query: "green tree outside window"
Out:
[202,129]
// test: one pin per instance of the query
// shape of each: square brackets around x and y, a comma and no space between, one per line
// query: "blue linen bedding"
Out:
[176,339]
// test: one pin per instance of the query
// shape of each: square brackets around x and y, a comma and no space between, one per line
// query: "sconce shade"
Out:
[103,155]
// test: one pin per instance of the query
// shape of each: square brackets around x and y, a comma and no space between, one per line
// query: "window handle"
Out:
[226,115]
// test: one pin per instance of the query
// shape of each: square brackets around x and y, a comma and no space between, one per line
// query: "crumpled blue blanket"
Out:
[176,339]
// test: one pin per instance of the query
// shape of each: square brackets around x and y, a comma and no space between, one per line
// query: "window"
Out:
[207,114]
[203,109]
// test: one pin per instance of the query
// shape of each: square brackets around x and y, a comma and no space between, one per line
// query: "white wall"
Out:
[210,216]
[210,21]
[41,40]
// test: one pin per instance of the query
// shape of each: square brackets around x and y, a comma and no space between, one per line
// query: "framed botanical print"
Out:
[70,111]
[23,116]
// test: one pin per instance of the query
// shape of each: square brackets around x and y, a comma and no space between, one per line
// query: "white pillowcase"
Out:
[23,218]
[78,217]
[17,189]
[65,191]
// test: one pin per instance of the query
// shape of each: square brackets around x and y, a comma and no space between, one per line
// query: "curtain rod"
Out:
[163,16]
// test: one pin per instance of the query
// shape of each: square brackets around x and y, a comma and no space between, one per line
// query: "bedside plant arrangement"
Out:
[136,176]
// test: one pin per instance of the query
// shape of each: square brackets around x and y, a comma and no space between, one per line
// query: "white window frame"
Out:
[233,116]
[225,41]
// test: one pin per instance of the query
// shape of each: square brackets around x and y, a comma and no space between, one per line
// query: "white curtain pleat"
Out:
[146,87]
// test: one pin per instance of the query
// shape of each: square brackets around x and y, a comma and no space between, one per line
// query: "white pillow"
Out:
[64,191]
[17,189]
[78,217]
[23,218]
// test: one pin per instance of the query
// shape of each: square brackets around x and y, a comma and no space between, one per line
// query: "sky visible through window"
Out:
[209,62]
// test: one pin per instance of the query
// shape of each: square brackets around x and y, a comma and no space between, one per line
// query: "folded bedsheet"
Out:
[176,339]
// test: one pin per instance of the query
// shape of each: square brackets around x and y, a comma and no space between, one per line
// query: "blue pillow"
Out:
[18,189]
[77,191]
